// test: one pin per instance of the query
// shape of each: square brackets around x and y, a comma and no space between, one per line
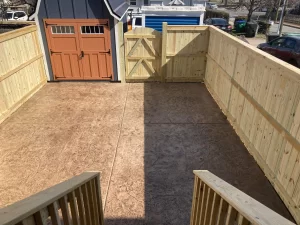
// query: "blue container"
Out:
[155,22]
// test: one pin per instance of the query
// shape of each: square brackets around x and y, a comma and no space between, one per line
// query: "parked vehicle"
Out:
[210,5]
[16,15]
[220,23]
[285,48]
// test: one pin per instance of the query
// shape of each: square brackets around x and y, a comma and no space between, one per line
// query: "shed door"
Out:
[79,49]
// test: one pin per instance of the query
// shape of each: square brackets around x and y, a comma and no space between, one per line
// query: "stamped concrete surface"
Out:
[146,139]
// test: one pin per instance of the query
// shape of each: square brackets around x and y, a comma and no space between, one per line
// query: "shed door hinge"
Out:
[52,52]
[49,24]
[105,24]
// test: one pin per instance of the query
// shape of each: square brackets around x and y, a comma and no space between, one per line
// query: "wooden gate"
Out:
[178,54]
[143,55]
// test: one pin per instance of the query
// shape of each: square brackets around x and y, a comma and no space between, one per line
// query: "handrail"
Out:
[217,202]
[78,200]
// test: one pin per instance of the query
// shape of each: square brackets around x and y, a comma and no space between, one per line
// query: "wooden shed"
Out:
[79,38]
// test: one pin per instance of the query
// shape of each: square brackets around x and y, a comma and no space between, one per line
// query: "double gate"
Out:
[178,54]
[79,49]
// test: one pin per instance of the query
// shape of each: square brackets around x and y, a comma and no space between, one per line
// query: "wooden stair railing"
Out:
[74,202]
[216,202]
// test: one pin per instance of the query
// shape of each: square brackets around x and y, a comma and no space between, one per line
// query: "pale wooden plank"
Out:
[16,33]
[41,217]
[91,204]
[29,221]
[96,205]
[164,52]
[208,208]
[63,202]
[135,67]
[121,51]
[86,204]
[199,201]
[222,212]
[195,199]
[138,36]
[242,220]
[154,52]
[140,57]
[203,203]
[215,208]
[135,47]
[28,206]
[150,67]
[231,216]
[99,199]
[53,212]
[74,209]
[251,209]
[80,203]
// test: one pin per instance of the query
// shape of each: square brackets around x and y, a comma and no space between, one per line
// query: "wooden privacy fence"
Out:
[74,202]
[217,202]
[261,97]
[22,70]
[178,54]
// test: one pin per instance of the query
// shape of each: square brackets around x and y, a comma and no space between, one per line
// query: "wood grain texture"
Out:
[178,54]
[50,198]
[234,206]
[22,71]
[260,95]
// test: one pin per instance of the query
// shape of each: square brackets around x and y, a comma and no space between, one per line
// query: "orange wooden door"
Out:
[64,49]
[79,49]
[95,45]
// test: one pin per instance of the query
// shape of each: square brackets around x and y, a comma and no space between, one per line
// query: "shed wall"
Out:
[76,9]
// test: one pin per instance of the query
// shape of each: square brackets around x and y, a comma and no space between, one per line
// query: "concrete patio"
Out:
[146,139]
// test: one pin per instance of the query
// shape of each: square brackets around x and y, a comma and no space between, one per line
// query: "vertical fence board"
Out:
[176,55]
[63,202]
[86,204]
[74,209]
[79,197]
[53,212]
[41,217]
[263,108]
[20,69]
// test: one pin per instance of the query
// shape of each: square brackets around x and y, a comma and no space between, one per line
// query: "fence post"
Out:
[120,51]
[164,52]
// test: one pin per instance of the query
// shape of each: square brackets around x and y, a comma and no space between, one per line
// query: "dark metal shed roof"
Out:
[117,8]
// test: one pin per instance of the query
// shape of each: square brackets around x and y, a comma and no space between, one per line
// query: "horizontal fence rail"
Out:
[260,95]
[74,202]
[217,202]
[22,71]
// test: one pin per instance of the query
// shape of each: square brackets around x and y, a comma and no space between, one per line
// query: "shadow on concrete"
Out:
[182,130]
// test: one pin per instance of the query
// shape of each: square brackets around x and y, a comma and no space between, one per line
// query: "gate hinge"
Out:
[105,24]
[49,24]
[108,52]
[52,52]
